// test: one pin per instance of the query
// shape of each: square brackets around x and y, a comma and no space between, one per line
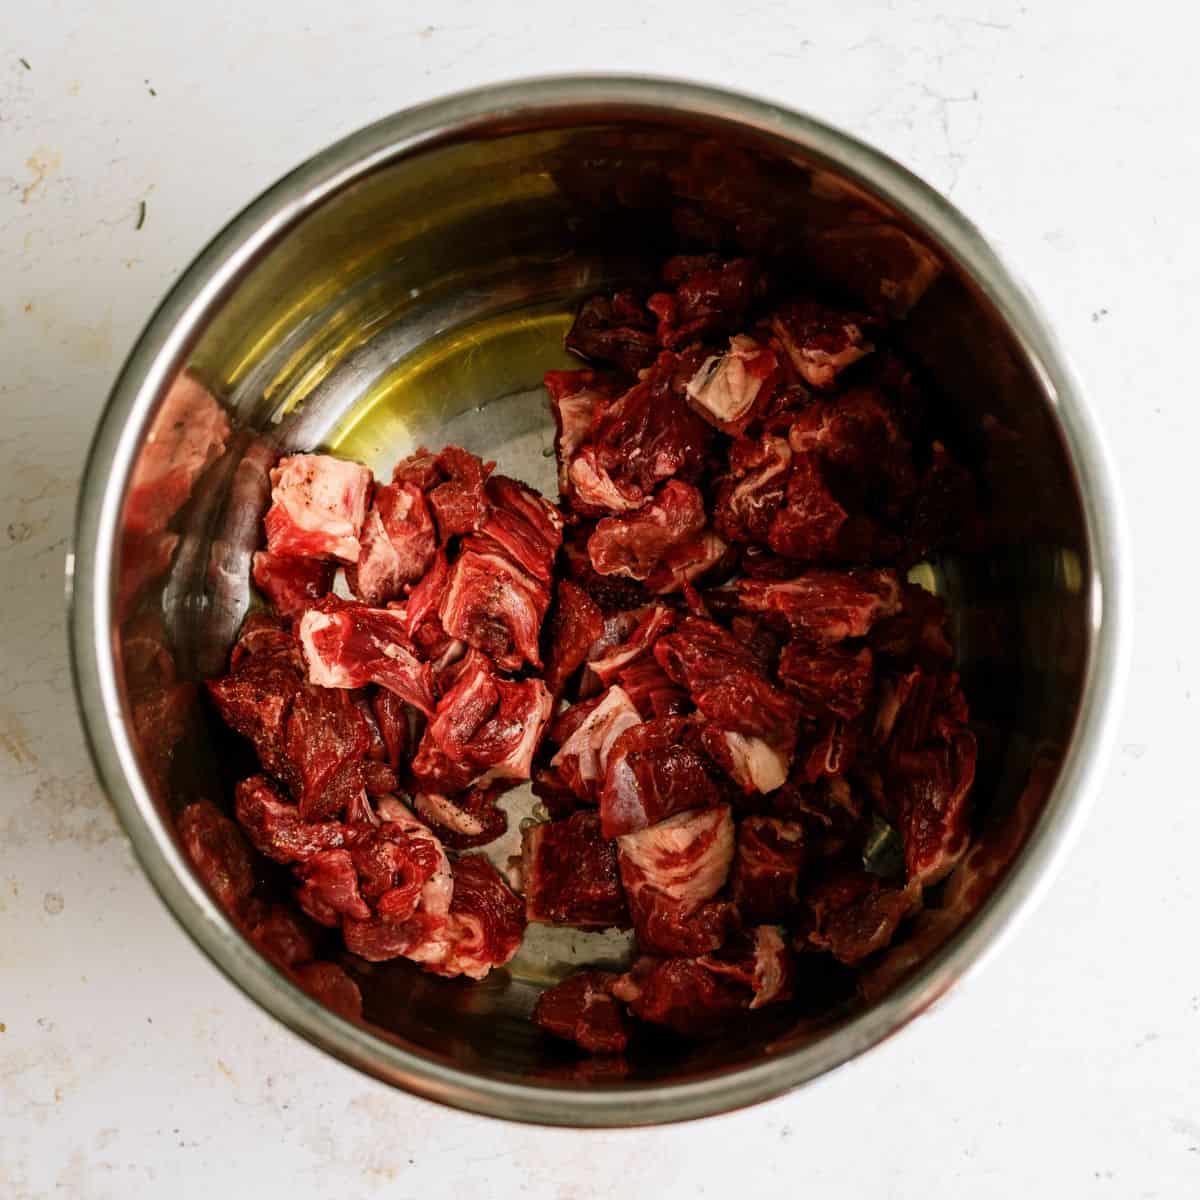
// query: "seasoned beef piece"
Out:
[636,544]
[575,623]
[654,770]
[709,297]
[351,645]
[292,585]
[671,872]
[486,921]
[318,505]
[582,1010]
[751,494]
[398,542]
[618,331]
[767,865]
[821,342]
[275,827]
[825,605]
[569,874]
[459,504]
[523,526]
[626,639]
[854,914]
[828,681]
[729,389]
[582,758]
[466,820]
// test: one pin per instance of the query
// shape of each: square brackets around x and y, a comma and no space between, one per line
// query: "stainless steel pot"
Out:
[410,284]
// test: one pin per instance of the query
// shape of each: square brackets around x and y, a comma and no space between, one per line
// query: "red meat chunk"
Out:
[618,331]
[398,542]
[583,756]
[687,561]
[854,914]
[491,604]
[277,933]
[329,984]
[523,526]
[575,622]
[318,505]
[917,632]
[751,494]
[255,698]
[681,994]
[489,724]
[395,732]
[292,585]
[187,436]
[218,852]
[329,888]
[767,865]
[326,741]
[275,827]
[582,1010]
[648,435]
[635,545]
[576,399]
[760,962]
[421,469]
[671,872]
[463,821]
[828,681]
[486,922]
[825,605]
[654,771]
[569,874]
[728,389]
[651,690]
[422,623]
[406,878]
[626,639]
[725,682]
[753,763]
[459,504]
[709,297]
[351,645]
[821,342]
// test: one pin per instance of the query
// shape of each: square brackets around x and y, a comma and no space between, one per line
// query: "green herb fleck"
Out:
[141,214]
[883,853]
[25,63]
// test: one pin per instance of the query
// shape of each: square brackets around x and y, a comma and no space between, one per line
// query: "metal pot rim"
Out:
[160,349]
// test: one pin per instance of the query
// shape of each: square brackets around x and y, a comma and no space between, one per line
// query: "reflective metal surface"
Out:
[410,285]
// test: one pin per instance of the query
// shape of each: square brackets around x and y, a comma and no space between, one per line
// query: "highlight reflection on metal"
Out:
[411,284]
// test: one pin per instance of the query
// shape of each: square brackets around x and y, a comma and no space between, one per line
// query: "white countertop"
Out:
[129,1067]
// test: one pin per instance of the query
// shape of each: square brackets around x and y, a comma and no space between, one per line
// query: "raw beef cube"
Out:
[582,759]
[651,690]
[406,878]
[725,389]
[186,437]
[619,331]
[687,561]
[671,871]
[681,994]
[328,888]
[576,399]
[828,681]
[654,771]
[318,505]
[763,966]
[634,545]
[491,604]
[523,526]
[459,504]
[582,1010]
[767,864]
[751,494]
[326,741]
[649,624]
[398,543]
[821,342]
[486,922]
[569,874]
[753,763]
[854,914]
[275,827]
[725,682]
[218,852]
[575,622]
[825,605]
[710,296]
[292,585]
[392,721]
[351,645]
